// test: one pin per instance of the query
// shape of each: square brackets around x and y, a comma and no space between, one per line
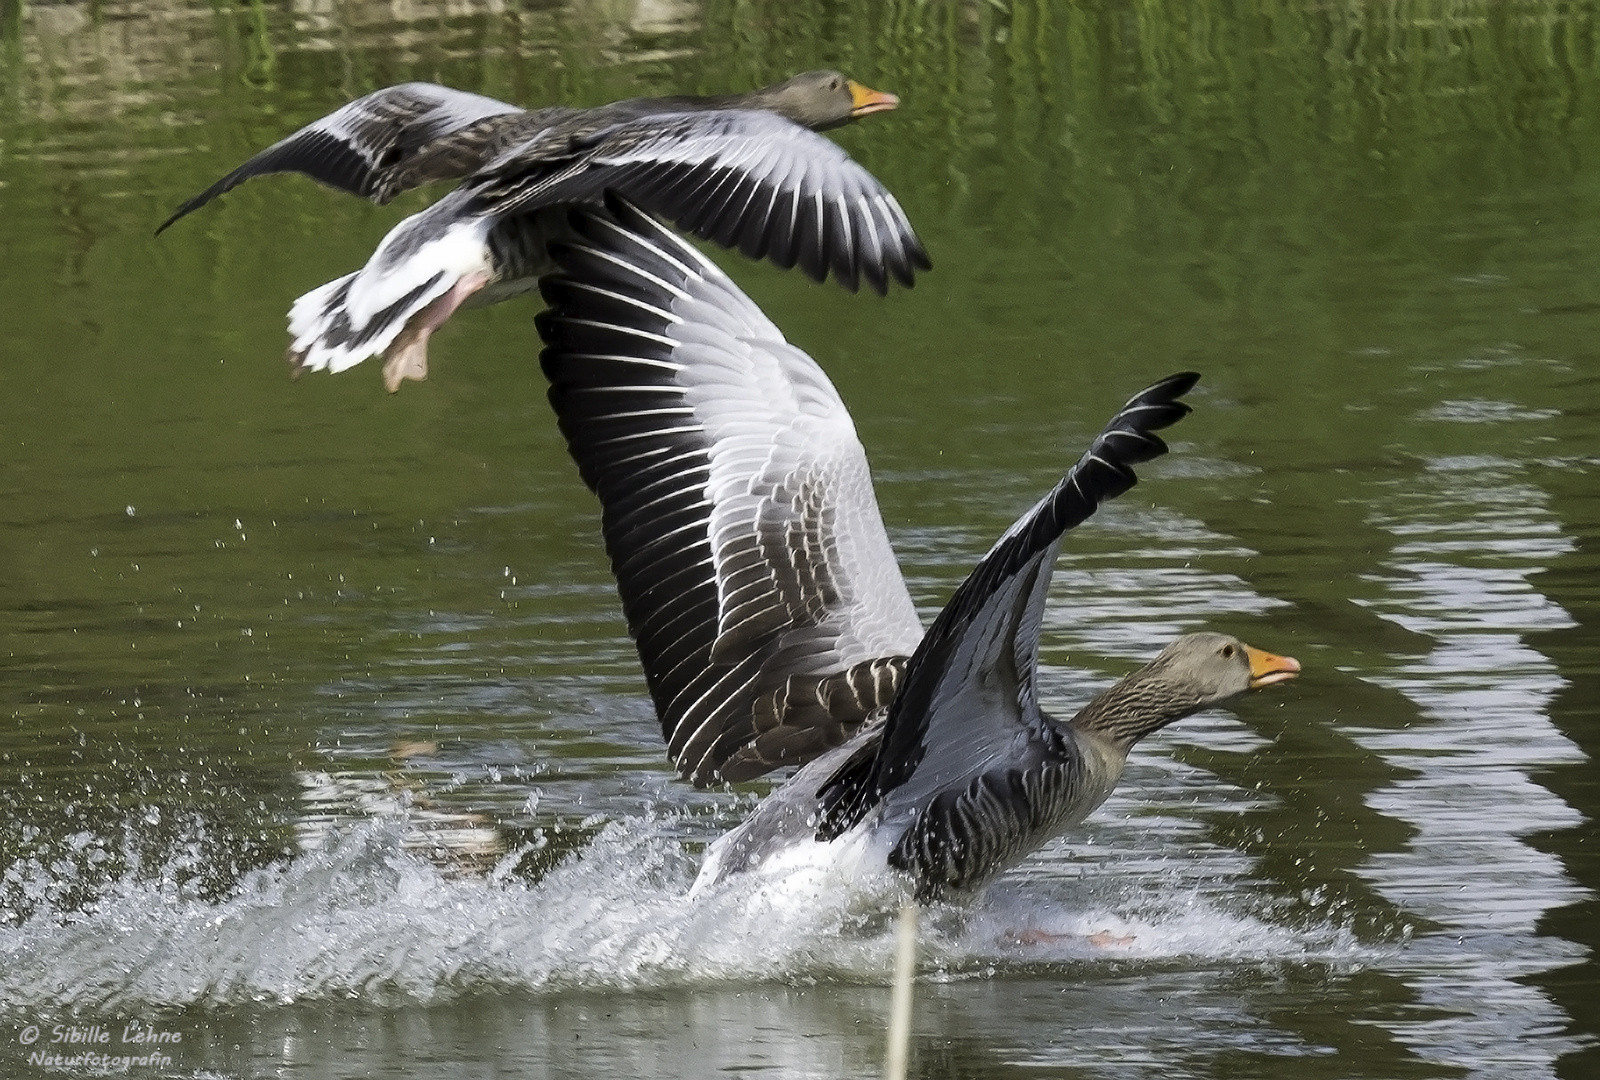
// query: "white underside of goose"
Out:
[808,868]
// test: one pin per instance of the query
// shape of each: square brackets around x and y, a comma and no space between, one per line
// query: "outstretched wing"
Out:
[742,178]
[377,146]
[966,708]
[738,510]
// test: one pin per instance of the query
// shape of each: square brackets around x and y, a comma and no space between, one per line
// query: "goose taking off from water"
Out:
[745,170]
[772,621]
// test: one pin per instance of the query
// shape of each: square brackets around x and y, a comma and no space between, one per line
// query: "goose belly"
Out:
[961,841]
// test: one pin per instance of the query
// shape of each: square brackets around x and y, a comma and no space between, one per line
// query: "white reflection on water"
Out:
[1468,541]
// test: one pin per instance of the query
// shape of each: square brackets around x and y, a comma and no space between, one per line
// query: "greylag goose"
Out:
[772,621]
[746,170]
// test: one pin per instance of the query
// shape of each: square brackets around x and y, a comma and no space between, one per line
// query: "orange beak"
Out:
[1266,669]
[868,100]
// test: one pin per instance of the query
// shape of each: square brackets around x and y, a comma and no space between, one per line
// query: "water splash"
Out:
[363,917]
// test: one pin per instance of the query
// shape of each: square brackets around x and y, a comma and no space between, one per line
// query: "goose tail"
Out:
[421,273]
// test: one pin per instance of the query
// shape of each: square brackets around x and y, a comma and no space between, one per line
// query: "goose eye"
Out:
[1227,652]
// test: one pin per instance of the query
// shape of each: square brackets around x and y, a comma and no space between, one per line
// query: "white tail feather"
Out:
[338,325]
[311,320]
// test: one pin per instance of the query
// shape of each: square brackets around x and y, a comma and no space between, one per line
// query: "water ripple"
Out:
[1470,540]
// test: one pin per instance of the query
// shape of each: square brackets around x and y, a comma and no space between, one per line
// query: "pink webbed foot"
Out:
[407,356]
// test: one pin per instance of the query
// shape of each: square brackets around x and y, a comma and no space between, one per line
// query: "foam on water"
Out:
[364,917]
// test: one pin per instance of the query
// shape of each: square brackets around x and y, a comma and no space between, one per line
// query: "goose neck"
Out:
[1134,707]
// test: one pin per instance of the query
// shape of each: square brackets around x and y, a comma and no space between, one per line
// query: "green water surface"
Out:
[286,668]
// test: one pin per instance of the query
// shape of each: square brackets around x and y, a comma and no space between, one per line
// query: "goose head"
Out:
[1217,667]
[1195,672]
[821,100]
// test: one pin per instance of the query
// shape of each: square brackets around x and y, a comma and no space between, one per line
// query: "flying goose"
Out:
[745,170]
[772,621]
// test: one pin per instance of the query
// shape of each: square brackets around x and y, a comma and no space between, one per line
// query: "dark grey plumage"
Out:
[963,836]
[390,141]
[1003,600]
